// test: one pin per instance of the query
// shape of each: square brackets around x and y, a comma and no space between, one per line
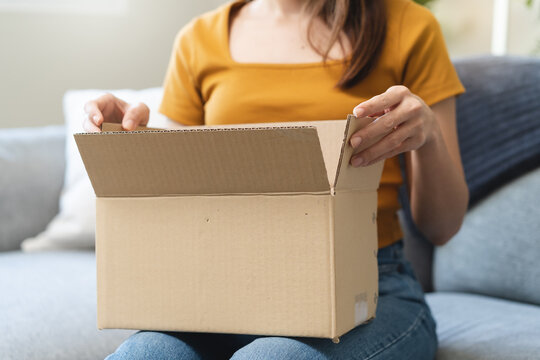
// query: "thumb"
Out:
[135,115]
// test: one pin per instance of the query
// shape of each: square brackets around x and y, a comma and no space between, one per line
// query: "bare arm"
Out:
[438,191]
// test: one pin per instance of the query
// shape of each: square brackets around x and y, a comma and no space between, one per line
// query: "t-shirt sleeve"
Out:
[427,69]
[182,101]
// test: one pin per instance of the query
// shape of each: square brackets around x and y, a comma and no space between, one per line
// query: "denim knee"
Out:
[270,348]
[155,346]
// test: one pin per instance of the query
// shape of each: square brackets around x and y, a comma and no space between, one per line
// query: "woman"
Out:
[292,60]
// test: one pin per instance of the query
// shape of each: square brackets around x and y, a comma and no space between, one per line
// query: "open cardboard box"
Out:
[253,228]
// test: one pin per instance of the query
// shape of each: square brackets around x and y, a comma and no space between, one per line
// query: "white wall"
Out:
[467,26]
[43,54]
[524,28]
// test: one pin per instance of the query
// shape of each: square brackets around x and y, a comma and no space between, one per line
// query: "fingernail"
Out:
[355,141]
[358,112]
[129,124]
[357,161]
[96,119]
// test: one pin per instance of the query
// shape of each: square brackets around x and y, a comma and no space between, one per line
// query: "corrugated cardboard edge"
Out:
[343,144]
[107,127]
[115,127]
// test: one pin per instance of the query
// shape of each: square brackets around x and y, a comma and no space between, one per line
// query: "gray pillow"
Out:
[497,250]
[31,177]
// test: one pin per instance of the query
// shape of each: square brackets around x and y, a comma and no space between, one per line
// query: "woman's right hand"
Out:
[108,108]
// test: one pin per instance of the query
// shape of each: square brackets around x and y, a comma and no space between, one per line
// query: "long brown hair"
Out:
[364,24]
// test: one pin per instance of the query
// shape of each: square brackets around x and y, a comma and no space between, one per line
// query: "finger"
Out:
[377,104]
[376,115]
[407,145]
[89,126]
[387,144]
[136,115]
[379,128]
[381,113]
[93,113]
[107,107]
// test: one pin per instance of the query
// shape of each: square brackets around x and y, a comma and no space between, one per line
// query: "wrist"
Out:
[434,140]
[434,133]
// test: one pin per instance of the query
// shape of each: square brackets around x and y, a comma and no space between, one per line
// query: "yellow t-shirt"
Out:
[204,85]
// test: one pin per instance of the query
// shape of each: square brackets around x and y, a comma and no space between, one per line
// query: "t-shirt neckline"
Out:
[226,40]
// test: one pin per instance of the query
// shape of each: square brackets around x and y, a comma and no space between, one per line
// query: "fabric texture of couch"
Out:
[486,282]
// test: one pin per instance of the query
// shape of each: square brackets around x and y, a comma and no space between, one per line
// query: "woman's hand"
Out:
[403,123]
[108,108]
[437,188]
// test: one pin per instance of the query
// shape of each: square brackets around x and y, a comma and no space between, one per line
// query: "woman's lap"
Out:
[402,329]
[179,346]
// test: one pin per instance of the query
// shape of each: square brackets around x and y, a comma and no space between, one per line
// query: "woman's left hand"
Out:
[403,123]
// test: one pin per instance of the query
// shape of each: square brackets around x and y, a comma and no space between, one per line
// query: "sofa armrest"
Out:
[31,177]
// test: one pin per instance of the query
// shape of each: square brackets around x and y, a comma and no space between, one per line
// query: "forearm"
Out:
[439,194]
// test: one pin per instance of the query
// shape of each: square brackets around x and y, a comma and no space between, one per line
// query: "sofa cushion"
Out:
[498,120]
[31,177]
[474,327]
[496,251]
[48,308]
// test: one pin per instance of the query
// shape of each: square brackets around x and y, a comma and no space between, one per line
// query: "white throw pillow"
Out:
[74,226]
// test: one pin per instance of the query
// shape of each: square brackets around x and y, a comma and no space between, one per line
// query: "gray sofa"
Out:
[483,286]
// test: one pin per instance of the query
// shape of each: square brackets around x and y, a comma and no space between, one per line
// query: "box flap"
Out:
[349,177]
[204,161]
[331,136]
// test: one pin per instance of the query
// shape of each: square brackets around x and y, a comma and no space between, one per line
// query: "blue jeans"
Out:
[403,329]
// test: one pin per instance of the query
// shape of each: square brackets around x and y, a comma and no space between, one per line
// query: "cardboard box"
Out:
[256,229]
